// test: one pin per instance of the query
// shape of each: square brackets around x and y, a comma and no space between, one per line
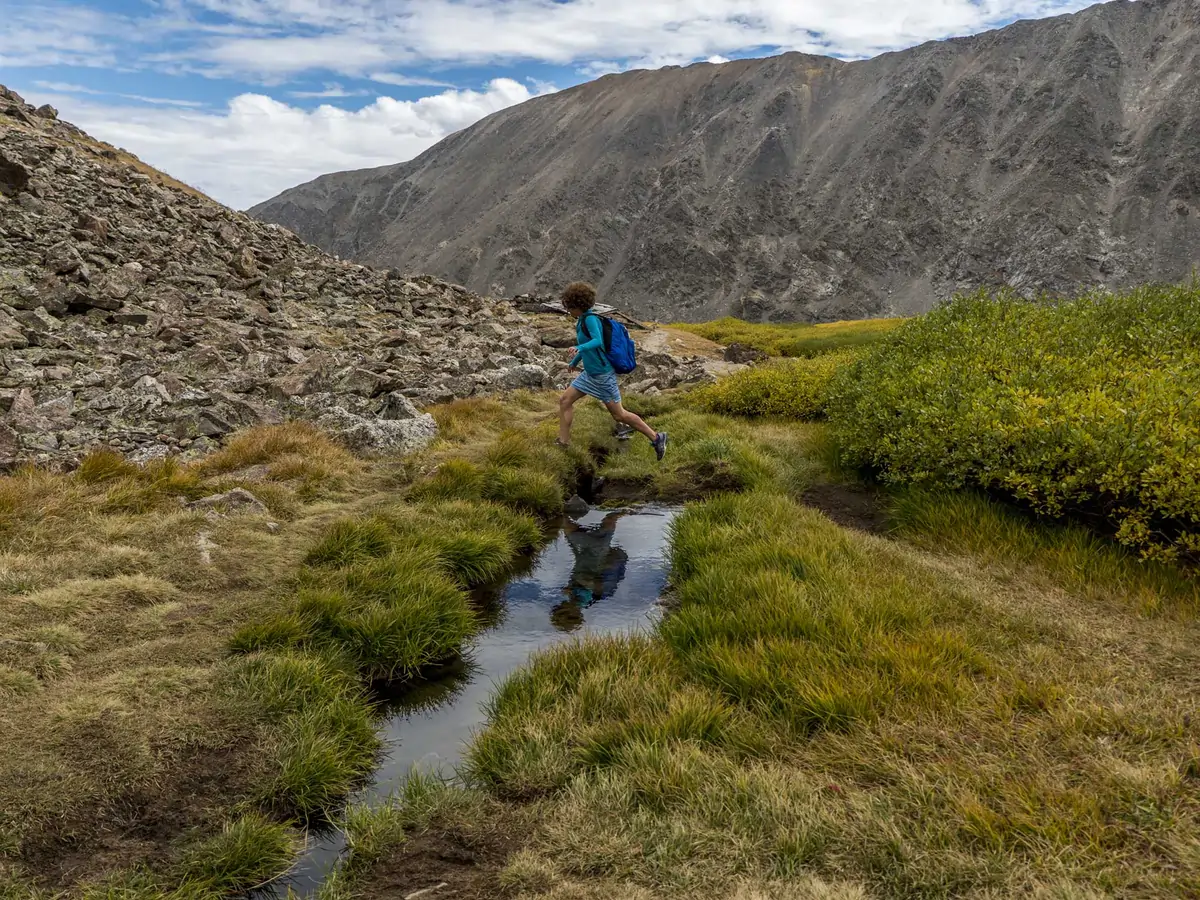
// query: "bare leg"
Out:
[566,413]
[621,414]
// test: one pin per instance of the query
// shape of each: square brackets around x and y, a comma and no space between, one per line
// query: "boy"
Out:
[598,378]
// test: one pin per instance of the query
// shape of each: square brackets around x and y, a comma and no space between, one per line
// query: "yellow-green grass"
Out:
[784,389]
[1084,407]
[709,453]
[115,607]
[795,340]
[859,713]
[124,712]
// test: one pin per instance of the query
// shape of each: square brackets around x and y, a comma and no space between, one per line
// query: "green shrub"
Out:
[794,340]
[1084,406]
[788,389]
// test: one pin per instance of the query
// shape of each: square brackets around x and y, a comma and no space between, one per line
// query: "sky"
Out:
[245,98]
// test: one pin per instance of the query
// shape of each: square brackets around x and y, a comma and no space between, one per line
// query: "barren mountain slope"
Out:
[1051,153]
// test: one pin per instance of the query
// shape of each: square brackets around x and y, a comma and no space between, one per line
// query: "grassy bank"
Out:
[179,684]
[975,705]
[795,340]
[116,603]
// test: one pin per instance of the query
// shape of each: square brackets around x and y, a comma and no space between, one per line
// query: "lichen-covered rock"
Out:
[380,436]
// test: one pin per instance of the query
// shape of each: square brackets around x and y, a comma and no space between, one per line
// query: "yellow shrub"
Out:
[794,340]
[788,389]
[1086,406]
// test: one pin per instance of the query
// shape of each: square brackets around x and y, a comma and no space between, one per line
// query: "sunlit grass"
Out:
[798,340]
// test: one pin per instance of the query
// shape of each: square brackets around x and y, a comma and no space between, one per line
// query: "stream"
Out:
[602,574]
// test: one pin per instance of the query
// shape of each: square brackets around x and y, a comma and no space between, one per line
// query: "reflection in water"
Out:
[602,575]
[598,571]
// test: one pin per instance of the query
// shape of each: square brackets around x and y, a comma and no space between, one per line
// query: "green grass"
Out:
[248,853]
[1071,555]
[709,453]
[795,340]
[830,706]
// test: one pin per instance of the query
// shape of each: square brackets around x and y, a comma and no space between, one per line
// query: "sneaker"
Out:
[660,445]
[624,432]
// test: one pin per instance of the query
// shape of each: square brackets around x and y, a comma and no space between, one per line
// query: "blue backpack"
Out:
[618,345]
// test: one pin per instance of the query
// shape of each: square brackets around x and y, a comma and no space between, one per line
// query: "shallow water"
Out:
[603,574]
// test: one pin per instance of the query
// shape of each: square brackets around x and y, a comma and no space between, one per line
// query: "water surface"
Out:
[603,574]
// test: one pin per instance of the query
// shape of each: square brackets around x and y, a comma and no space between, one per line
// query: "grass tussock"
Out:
[295,451]
[709,454]
[785,389]
[795,340]
[1083,407]
[247,853]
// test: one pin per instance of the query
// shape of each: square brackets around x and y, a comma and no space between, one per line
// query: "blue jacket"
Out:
[589,337]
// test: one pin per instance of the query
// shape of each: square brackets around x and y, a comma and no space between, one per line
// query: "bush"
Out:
[789,389]
[795,340]
[1084,406]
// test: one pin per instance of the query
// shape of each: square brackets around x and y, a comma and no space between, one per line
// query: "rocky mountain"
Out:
[1049,154]
[141,315]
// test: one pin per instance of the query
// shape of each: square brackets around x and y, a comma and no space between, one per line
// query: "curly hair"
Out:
[579,296]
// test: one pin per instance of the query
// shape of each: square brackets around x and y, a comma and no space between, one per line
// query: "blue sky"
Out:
[243,98]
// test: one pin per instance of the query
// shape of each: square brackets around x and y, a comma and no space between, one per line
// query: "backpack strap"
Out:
[605,328]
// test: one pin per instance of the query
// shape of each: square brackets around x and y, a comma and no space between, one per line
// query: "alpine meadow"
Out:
[392,575]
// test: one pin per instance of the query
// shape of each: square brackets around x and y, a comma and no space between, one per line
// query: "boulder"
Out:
[380,436]
[523,376]
[14,176]
[744,354]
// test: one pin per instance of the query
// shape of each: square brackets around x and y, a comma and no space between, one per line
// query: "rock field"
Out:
[142,316]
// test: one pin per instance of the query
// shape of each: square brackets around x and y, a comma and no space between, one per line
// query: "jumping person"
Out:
[598,378]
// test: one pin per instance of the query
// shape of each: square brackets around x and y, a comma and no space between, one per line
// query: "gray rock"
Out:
[523,376]
[380,436]
[236,501]
[14,175]
[577,507]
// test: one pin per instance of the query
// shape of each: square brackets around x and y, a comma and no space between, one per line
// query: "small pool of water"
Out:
[603,574]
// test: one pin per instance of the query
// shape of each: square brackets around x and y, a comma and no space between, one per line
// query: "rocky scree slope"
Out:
[145,317]
[1050,154]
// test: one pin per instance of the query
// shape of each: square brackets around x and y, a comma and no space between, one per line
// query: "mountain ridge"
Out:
[1050,155]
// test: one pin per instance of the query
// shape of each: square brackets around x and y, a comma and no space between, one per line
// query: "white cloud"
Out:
[63,87]
[272,39]
[329,92]
[260,146]
[407,80]
[67,88]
